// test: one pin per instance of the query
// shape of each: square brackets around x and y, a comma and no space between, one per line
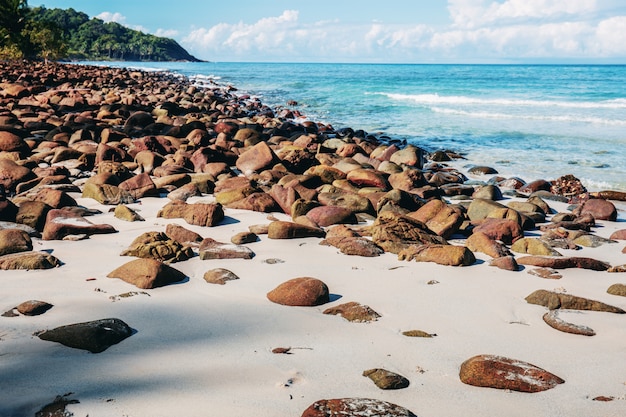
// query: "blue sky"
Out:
[402,31]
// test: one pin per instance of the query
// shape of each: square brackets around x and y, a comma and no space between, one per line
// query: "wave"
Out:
[490,115]
[434,99]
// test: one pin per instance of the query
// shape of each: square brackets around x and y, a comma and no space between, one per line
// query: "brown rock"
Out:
[355,407]
[553,320]
[480,242]
[61,224]
[329,215]
[353,202]
[255,159]
[368,178]
[197,214]
[418,333]
[33,307]
[11,174]
[410,155]
[439,217]
[54,198]
[147,273]
[440,254]
[14,241]
[180,234]
[545,273]
[503,373]
[599,209]
[184,192]
[139,186]
[305,291]
[243,238]
[617,289]
[394,232]
[219,276]
[507,263]
[407,180]
[28,260]
[261,202]
[533,246]
[553,300]
[354,245]
[127,214]
[385,379]
[354,312]
[618,235]
[158,245]
[212,249]
[507,231]
[290,230]
[564,262]
[106,194]
[568,186]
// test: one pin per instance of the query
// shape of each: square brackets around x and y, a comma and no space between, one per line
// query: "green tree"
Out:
[12,23]
[47,39]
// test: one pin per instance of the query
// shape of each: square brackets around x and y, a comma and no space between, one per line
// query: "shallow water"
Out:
[530,121]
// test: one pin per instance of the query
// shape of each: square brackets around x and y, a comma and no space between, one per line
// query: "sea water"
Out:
[528,121]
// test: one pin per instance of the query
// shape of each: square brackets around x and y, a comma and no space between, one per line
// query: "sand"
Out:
[202,349]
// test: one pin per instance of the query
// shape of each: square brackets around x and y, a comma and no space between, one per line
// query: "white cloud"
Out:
[166,33]
[480,30]
[112,17]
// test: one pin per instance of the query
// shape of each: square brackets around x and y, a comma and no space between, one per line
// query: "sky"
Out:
[395,31]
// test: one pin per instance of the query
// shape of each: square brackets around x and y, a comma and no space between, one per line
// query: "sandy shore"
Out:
[201,349]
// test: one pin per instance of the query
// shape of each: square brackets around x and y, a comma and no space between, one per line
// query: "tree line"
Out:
[66,34]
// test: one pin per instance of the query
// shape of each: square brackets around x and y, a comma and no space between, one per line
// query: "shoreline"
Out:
[94,139]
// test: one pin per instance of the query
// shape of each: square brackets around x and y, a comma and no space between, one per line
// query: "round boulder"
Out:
[304,291]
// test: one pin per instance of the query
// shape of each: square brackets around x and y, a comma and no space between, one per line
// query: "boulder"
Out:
[11,174]
[290,230]
[353,312]
[28,260]
[147,273]
[353,202]
[139,186]
[107,194]
[533,246]
[329,215]
[394,232]
[504,373]
[385,379]
[255,159]
[441,218]
[599,209]
[305,291]
[440,254]
[507,263]
[505,230]
[259,201]
[180,234]
[219,276]
[554,300]
[197,214]
[14,240]
[243,238]
[354,245]
[94,336]
[617,289]
[552,319]
[62,224]
[355,407]
[480,242]
[212,249]
[127,214]
[564,262]
[33,307]
[157,245]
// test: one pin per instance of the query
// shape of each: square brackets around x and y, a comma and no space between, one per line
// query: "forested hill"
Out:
[92,39]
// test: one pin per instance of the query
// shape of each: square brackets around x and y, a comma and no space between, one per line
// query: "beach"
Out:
[86,140]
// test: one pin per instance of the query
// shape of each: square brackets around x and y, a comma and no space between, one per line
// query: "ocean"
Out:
[527,121]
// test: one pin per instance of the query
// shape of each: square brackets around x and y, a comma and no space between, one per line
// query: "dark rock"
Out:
[94,336]
[385,379]
[33,214]
[503,373]
[147,273]
[354,312]
[482,170]
[33,307]
[355,407]
[305,291]
[568,186]
[553,300]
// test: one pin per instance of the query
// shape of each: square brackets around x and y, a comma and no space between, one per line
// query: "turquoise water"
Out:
[530,121]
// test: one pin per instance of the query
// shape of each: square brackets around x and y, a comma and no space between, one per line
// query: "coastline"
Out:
[206,349]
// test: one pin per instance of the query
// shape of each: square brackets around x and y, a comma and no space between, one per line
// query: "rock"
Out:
[354,312]
[157,245]
[442,219]
[33,307]
[212,249]
[28,260]
[147,273]
[480,208]
[355,407]
[617,289]
[305,291]
[11,174]
[407,180]
[61,224]
[54,198]
[564,262]
[183,193]
[356,246]
[290,230]
[139,186]
[505,230]
[385,379]
[14,241]
[94,336]
[394,232]
[553,320]
[618,268]
[568,186]
[127,214]
[261,202]
[553,300]
[368,178]
[418,333]
[599,209]
[197,214]
[440,254]
[507,263]
[480,242]
[329,215]
[243,238]
[533,246]
[107,194]
[503,373]
[546,273]
[353,202]
[618,235]
[255,159]
[487,192]
[219,276]
[180,234]
[409,155]
[534,186]
[482,170]
[591,241]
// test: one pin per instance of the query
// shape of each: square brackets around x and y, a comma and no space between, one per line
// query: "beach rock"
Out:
[184,192]
[505,230]
[61,224]
[367,178]
[394,232]
[95,336]
[354,245]
[355,407]
[212,249]
[354,312]
[147,273]
[504,373]
[553,320]
[327,174]
[407,180]
[127,214]
[443,219]
[618,235]
[553,300]
[157,245]
[33,307]
[545,273]
[11,174]
[385,379]
[481,208]
[219,276]
[564,262]
[487,192]
[534,186]
[255,159]
[568,186]
[507,263]
[54,198]
[617,289]
[305,292]
[107,194]
[261,202]
[533,246]
[28,260]
[14,240]
[329,215]
[243,238]
[609,195]
[591,241]
[290,230]
[599,209]
[418,333]
[480,242]
[197,214]
[482,170]
[440,254]
[180,234]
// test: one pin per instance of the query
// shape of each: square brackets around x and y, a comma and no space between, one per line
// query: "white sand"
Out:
[205,350]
